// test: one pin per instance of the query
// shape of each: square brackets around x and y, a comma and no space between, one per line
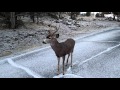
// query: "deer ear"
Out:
[57,35]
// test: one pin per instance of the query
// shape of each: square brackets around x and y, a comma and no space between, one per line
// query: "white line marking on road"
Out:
[37,50]
[30,72]
[75,76]
[108,49]
[103,41]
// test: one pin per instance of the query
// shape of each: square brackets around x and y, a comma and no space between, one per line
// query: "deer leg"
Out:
[63,63]
[58,65]
[67,59]
[71,58]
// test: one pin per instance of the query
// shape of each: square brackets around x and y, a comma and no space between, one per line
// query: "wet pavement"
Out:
[101,65]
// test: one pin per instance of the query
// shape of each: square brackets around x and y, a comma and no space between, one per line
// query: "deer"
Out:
[61,49]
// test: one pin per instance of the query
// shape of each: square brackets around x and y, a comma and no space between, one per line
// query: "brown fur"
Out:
[62,49]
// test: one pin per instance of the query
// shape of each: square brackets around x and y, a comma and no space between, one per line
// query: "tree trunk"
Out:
[37,18]
[114,17]
[12,20]
[71,15]
[32,16]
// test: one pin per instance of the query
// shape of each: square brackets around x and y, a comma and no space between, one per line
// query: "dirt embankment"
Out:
[17,40]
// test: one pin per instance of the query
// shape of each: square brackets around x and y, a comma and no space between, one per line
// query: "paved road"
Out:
[95,56]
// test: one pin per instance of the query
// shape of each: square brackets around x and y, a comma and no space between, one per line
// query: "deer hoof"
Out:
[57,73]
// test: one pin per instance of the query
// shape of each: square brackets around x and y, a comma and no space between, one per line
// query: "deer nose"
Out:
[44,42]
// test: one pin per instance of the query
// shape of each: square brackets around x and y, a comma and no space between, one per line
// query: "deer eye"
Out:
[57,35]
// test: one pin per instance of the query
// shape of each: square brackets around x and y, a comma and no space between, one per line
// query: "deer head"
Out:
[51,35]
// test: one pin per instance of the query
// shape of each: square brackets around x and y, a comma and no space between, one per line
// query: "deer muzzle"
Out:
[45,41]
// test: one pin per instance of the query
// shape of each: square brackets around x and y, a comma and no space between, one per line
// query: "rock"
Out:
[72,27]
[68,23]
[16,39]
[1,46]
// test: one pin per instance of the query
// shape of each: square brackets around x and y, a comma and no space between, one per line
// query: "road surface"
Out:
[95,56]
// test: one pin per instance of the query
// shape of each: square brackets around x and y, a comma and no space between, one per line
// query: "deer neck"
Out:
[54,43]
